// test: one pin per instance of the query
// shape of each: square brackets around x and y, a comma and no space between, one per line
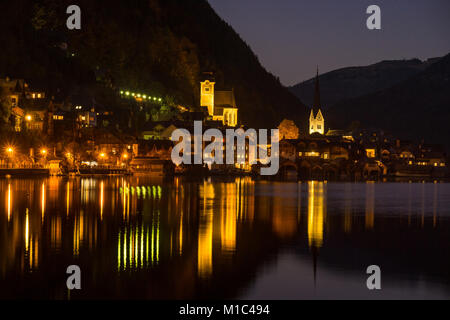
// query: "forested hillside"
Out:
[160,47]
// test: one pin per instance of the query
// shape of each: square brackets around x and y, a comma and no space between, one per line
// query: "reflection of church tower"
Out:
[316,123]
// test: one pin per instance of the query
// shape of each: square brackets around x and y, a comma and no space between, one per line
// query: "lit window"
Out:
[370,153]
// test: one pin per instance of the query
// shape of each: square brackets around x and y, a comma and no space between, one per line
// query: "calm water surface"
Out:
[144,238]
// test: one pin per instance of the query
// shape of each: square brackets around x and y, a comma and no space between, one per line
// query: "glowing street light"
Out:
[102,155]
[43,151]
[125,156]
[10,150]
[28,117]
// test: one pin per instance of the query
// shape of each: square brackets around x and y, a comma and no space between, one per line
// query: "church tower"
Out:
[207,95]
[316,122]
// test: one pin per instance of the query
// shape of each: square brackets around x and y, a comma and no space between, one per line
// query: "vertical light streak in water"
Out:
[315,214]
[30,255]
[157,241]
[205,233]
[43,201]
[142,245]
[131,253]
[27,231]
[146,248]
[67,198]
[9,201]
[101,200]
[180,234]
[119,251]
[125,250]
[153,240]
[36,253]
[124,201]
[370,205]
[228,221]
[135,242]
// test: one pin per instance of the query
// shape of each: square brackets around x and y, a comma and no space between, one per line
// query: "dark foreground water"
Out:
[141,238]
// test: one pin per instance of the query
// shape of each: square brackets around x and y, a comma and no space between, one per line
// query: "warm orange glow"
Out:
[43,201]
[101,200]
[28,117]
[10,150]
[9,201]
[102,155]
[205,234]
[316,213]
[43,151]
[125,156]
[370,153]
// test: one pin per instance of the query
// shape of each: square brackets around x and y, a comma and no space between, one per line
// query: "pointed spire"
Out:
[316,104]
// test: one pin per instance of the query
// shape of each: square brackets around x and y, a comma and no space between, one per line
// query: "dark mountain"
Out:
[352,82]
[416,108]
[160,47]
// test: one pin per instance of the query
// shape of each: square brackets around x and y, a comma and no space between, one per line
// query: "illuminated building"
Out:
[221,105]
[316,122]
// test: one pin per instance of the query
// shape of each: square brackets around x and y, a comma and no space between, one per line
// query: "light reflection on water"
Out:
[141,237]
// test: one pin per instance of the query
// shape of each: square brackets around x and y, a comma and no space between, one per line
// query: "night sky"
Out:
[291,37]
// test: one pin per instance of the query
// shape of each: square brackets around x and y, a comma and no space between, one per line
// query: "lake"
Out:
[146,238]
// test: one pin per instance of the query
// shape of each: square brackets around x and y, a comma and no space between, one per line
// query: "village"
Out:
[47,136]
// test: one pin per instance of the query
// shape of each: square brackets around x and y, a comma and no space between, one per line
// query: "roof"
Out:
[224,98]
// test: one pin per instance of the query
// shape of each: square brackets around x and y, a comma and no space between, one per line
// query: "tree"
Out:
[288,130]
[5,107]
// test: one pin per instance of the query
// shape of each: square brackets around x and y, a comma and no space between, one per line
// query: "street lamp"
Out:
[43,151]
[10,150]
[28,117]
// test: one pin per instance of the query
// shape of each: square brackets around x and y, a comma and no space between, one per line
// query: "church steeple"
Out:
[316,122]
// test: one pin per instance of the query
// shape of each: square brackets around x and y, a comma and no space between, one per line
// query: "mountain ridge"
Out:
[351,82]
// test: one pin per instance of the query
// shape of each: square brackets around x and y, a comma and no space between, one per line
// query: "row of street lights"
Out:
[10,151]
